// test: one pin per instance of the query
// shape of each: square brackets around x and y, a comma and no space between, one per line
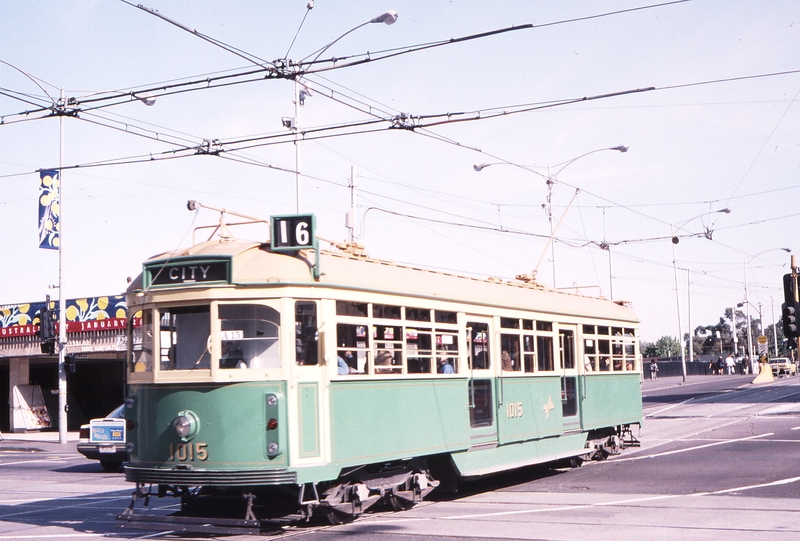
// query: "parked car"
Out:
[104,440]
[782,366]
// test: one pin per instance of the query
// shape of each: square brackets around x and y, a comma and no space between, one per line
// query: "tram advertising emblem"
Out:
[293,232]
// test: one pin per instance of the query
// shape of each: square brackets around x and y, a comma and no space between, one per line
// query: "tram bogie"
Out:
[358,382]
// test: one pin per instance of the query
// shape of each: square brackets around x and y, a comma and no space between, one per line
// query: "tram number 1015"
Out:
[513,409]
[188,451]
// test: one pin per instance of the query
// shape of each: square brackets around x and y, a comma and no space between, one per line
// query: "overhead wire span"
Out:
[222,45]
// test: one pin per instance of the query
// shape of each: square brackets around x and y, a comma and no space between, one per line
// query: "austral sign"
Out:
[187,272]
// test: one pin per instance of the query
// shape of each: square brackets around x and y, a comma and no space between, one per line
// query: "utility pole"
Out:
[62,300]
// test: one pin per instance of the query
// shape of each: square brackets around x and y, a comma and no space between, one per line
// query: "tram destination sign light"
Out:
[293,232]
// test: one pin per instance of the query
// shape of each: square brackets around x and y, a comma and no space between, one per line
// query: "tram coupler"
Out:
[136,496]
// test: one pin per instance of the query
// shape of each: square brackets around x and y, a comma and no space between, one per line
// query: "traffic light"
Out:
[47,329]
[790,310]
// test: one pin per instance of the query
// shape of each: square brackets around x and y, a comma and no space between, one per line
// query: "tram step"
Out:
[189,524]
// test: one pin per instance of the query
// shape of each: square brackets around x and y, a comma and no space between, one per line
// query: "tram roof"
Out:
[253,263]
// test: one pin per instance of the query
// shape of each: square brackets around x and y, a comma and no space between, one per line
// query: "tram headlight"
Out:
[129,402]
[272,449]
[130,447]
[186,425]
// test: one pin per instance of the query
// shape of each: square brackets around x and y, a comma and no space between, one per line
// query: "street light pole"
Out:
[747,301]
[551,180]
[300,92]
[774,328]
[62,299]
[678,303]
[749,325]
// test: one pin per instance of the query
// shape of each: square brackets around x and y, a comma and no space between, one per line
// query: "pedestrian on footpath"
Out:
[653,369]
[730,364]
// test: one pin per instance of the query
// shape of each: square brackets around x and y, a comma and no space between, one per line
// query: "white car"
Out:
[104,440]
[782,366]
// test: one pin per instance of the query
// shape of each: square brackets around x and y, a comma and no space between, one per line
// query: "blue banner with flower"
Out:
[49,209]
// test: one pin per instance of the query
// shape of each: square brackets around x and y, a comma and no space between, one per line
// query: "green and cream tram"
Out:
[343,381]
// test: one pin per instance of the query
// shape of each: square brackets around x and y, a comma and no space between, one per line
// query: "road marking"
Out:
[687,449]
[546,509]
[30,461]
[55,536]
[82,504]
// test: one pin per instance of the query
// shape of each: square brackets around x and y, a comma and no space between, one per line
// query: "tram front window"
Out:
[140,332]
[185,338]
[249,336]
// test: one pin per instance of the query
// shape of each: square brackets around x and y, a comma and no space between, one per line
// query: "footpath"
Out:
[38,441]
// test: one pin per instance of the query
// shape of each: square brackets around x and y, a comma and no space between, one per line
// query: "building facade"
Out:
[96,379]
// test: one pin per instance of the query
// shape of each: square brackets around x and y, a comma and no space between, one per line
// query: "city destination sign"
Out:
[188,272]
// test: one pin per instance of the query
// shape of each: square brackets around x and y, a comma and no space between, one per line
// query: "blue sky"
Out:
[709,136]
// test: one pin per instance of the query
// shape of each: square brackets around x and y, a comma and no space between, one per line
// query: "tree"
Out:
[666,346]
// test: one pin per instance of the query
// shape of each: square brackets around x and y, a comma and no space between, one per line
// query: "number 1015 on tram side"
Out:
[338,381]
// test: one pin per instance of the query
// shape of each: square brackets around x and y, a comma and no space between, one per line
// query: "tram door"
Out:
[569,379]
[480,389]
[308,388]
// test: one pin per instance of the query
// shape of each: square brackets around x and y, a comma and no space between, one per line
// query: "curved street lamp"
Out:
[747,304]
[551,179]
[387,18]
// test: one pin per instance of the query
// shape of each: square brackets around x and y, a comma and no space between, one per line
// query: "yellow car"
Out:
[783,366]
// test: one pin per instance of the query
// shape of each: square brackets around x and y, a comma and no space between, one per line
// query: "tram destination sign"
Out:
[187,272]
[293,232]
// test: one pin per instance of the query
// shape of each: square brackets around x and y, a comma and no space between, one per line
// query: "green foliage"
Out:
[666,346]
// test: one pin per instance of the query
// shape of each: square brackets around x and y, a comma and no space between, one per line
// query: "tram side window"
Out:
[544,348]
[388,349]
[418,314]
[509,323]
[590,354]
[305,330]
[347,308]
[529,352]
[185,337]
[567,340]
[630,356]
[352,348]
[604,349]
[444,316]
[385,311]
[447,352]
[613,349]
[142,341]
[479,345]
[617,355]
[419,346]
[510,358]
[249,335]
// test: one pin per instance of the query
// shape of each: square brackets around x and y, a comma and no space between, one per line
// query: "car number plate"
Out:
[107,449]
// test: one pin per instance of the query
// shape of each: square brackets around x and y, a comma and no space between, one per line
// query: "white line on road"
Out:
[687,449]
[548,509]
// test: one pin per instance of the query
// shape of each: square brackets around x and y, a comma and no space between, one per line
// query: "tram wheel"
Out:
[399,504]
